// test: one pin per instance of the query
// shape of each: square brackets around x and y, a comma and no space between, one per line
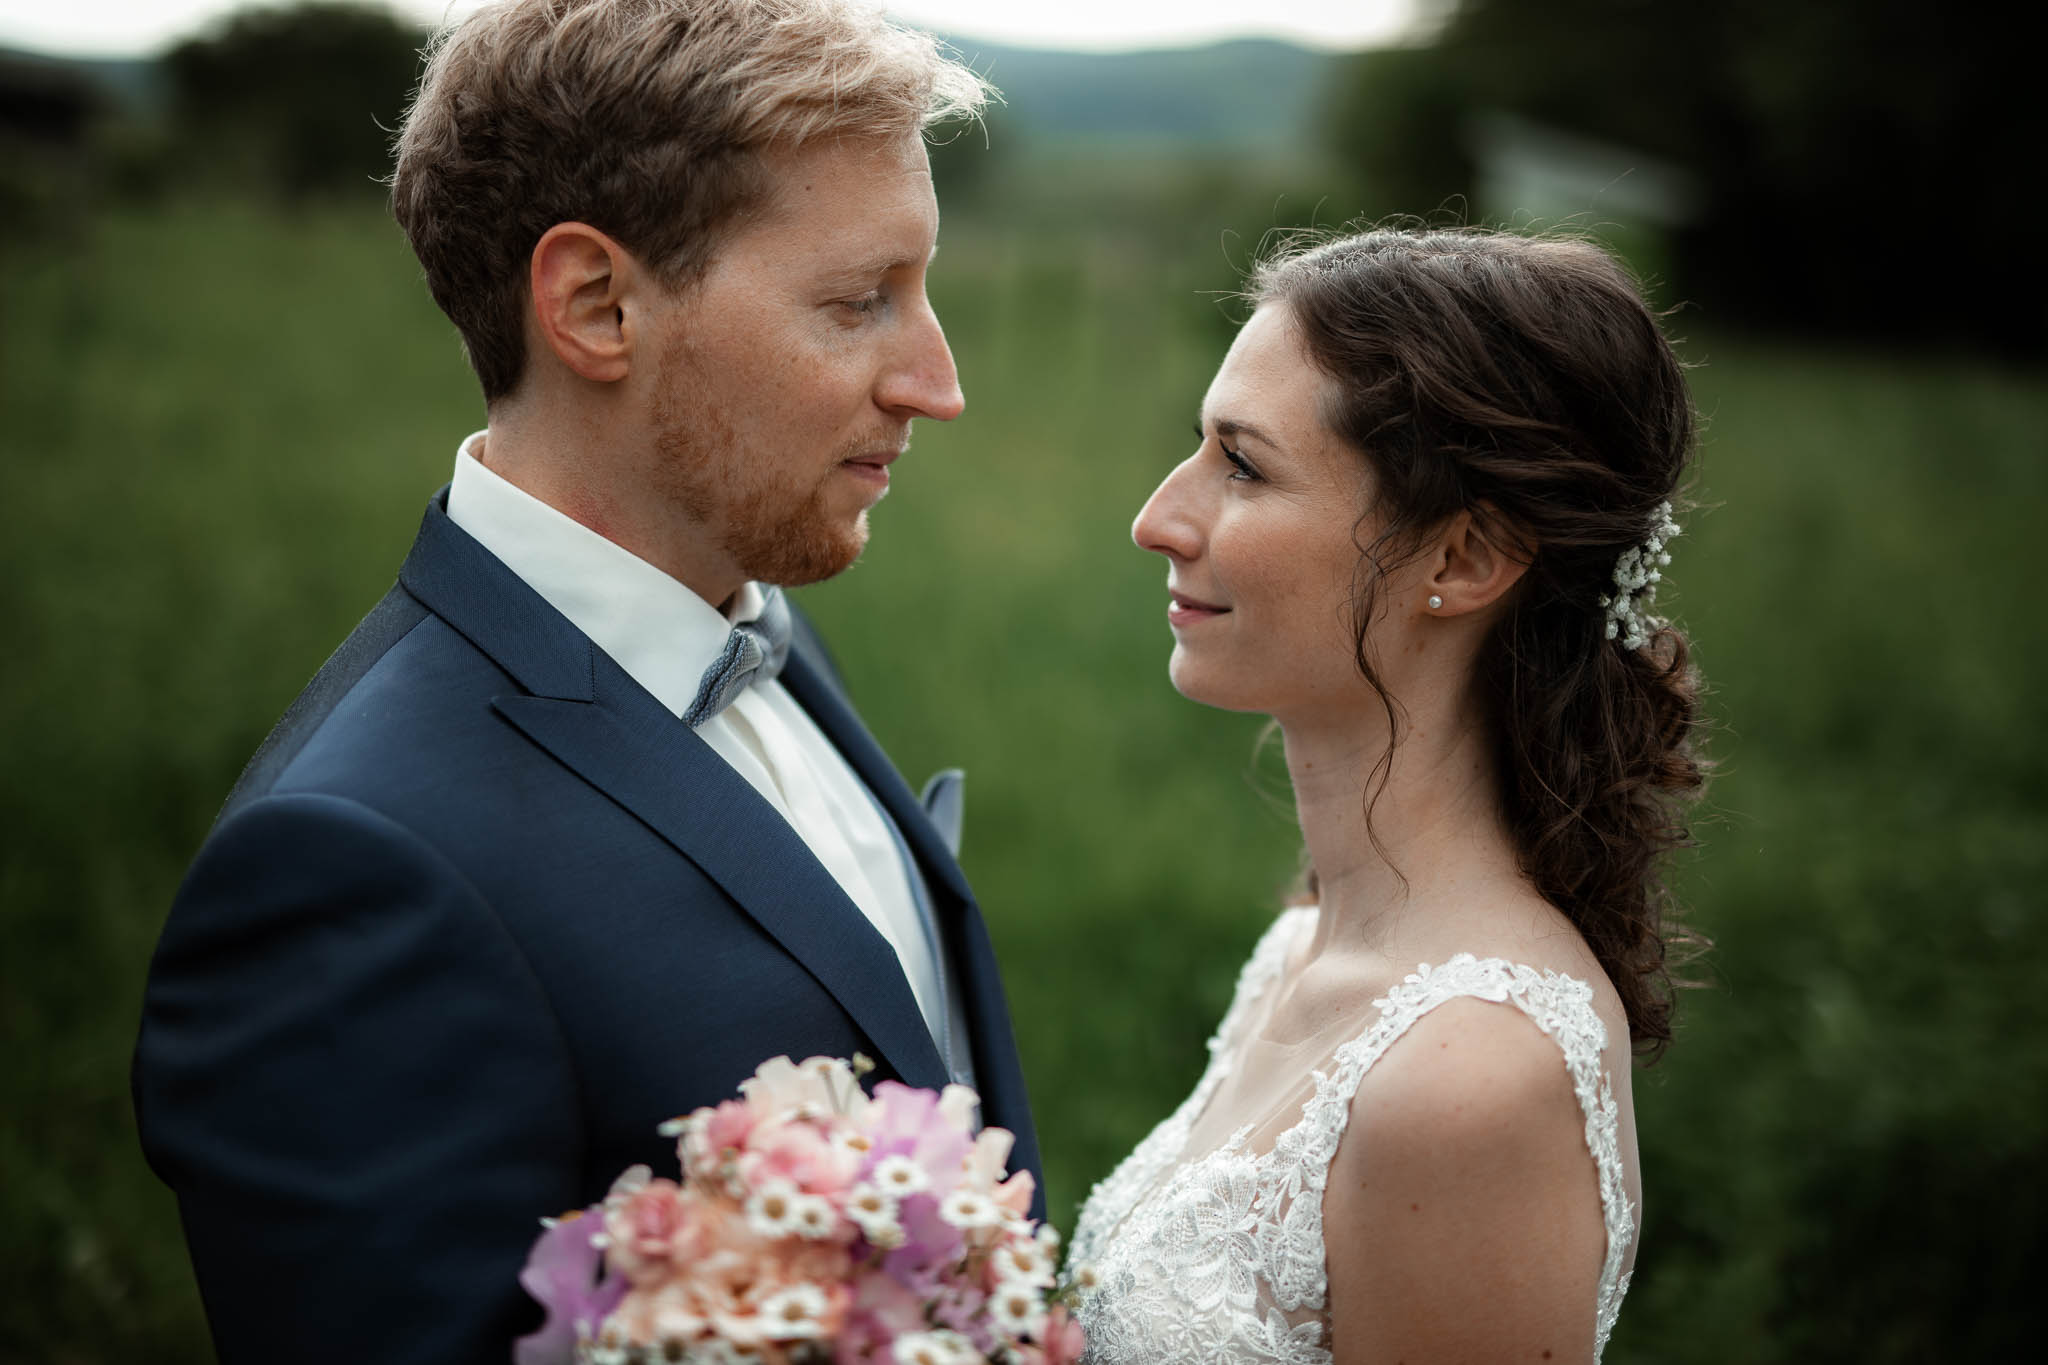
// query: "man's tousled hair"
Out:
[647,119]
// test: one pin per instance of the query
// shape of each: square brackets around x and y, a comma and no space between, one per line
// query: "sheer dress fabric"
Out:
[1218,1258]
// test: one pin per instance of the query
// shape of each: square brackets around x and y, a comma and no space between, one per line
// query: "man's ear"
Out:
[579,279]
[1476,562]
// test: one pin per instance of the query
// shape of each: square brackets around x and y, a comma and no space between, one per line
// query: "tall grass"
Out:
[220,426]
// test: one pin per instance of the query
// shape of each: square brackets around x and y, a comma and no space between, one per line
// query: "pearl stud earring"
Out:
[1435,601]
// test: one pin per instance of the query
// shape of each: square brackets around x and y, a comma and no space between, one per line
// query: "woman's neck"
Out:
[1435,847]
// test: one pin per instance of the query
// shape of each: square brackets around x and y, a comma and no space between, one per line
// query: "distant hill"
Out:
[131,82]
[1251,95]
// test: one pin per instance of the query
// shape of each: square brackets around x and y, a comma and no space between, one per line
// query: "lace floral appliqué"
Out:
[1219,1260]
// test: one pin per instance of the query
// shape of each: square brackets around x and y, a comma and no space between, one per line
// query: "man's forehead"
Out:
[857,204]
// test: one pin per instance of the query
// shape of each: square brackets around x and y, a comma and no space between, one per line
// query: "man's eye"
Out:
[865,304]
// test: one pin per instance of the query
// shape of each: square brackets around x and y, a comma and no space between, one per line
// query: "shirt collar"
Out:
[664,635]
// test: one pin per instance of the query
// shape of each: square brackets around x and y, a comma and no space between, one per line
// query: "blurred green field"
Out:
[218,426]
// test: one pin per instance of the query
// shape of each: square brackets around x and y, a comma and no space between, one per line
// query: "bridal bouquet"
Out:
[812,1224]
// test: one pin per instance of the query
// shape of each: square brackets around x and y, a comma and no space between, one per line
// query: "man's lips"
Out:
[1183,610]
[872,467]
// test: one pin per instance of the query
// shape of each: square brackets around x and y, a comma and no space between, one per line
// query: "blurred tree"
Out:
[298,100]
[48,114]
[1397,115]
[1864,164]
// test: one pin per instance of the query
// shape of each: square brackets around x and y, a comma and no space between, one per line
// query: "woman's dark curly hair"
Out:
[1525,380]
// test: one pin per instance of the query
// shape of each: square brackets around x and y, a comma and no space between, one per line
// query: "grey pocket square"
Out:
[945,804]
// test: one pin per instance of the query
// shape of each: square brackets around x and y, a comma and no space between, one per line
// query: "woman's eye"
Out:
[1241,469]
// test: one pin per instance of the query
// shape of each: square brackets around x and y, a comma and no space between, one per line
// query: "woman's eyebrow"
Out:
[1232,426]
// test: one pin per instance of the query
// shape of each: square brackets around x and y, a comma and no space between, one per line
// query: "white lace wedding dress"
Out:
[1218,1258]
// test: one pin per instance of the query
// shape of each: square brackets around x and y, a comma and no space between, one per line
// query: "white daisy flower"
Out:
[1017,1309]
[1085,1277]
[866,1200]
[772,1209]
[1025,1262]
[967,1209]
[1049,1239]
[609,1348]
[935,1348]
[811,1216]
[796,1313]
[897,1176]
[874,1213]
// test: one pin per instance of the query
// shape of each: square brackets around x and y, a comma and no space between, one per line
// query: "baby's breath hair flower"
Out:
[1636,576]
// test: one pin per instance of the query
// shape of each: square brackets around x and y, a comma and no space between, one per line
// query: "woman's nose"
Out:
[1167,523]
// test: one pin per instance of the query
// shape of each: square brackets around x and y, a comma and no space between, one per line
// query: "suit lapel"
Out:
[583,709]
[1001,1076]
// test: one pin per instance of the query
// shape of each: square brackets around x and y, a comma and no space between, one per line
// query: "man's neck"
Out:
[601,488]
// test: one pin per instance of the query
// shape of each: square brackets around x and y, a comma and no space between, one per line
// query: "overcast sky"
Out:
[126,28]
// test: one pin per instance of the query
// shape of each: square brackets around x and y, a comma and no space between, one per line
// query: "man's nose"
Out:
[924,383]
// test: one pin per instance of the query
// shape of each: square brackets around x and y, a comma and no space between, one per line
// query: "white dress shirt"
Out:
[665,636]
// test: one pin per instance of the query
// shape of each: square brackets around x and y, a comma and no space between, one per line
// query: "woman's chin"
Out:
[1201,685]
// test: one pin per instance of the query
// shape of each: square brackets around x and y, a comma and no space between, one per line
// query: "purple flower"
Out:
[910,1123]
[931,1247]
[562,1272]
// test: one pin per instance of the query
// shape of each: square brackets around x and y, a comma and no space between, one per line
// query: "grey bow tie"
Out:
[754,652]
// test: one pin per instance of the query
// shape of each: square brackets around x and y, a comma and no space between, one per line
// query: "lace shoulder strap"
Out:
[1561,1006]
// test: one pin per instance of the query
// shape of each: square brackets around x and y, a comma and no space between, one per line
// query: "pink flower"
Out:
[1062,1340]
[729,1124]
[1014,1194]
[645,1227]
[882,1309]
[907,1122]
[985,1163]
[802,1153]
[931,1248]
[562,1273]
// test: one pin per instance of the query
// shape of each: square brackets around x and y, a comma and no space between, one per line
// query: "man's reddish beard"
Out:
[775,533]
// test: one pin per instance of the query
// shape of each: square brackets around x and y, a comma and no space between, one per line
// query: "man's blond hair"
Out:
[647,119]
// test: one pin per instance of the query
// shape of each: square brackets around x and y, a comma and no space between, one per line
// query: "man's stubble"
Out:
[777,529]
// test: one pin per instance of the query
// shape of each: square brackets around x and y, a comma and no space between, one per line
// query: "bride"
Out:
[1422,531]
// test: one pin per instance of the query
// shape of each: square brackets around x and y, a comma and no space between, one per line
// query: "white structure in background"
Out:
[1528,172]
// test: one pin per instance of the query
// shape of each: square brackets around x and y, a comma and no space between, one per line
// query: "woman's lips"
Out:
[1183,610]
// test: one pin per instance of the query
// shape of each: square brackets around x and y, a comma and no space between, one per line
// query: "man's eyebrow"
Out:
[888,262]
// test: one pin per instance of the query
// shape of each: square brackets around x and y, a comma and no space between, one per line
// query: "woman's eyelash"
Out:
[1242,467]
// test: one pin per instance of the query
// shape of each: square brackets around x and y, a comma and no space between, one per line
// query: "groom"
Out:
[578,827]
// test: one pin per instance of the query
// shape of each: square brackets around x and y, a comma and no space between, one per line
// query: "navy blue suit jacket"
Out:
[480,914]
